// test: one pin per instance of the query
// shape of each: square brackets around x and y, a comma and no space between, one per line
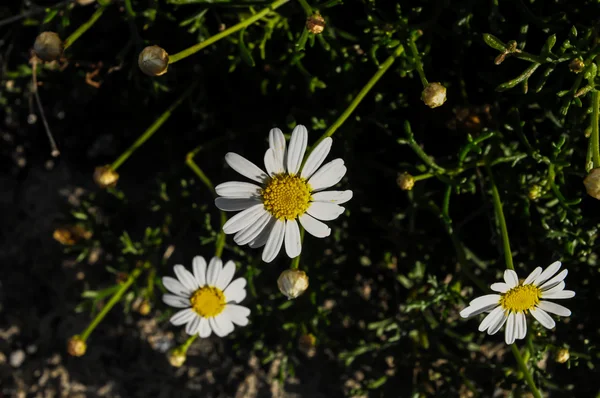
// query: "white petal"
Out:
[192,327]
[493,329]
[316,158]
[237,314]
[337,197]
[554,308]
[186,278]
[324,211]
[563,294]
[491,318]
[543,318]
[511,278]
[174,286]
[237,189]
[252,231]
[183,316]
[244,219]
[236,291]
[534,274]
[500,287]
[262,237]
[327,176]
[295,153]
[199,267]
[293,243]
[521,325]
[221,325]
[549,284]
[510,332]
[481,304]
[271,163]
[274,242]
[226,275]
[547,274]
[235,204]
[175,301]
[277,145]
[314,227]
[557,288]
[214,270]
[204,329]
[245,167]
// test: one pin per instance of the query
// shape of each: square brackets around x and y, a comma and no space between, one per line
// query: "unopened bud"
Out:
[434,95]
[76,346]
[307,344]
[71,234]
[562,355]
[153,61]
[576,65]
[535,191]
[292,283]
[315,24]
[48,46]
[145,307]
[105,176]
[177,357]
[592,183]
[405,181]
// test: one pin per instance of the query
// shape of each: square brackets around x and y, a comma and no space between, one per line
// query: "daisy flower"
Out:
[517,298]
[207,297]
[291,191]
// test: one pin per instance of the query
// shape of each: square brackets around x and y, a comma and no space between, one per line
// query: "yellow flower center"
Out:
[520,298]
[208,301]
[286,196]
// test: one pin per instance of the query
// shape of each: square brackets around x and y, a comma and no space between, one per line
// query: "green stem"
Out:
[296,260]
[151,130]
[361,95]
[417,60]
[307,8]
[111,303]
[129,8]
[528,377]
[184,347]
[501,220]
[84,27]
[594,140]
[246,22]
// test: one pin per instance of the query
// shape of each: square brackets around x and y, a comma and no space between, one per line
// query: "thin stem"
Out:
[246,22]
[84,27]
[150,130]
[307,8]
[414,145]
[55,152]
[501,220]
[129,8]
[528,377]
[32,12]
[111,303]
[594,140]
[185,346]
[418,63]
[361,95]
[296,260]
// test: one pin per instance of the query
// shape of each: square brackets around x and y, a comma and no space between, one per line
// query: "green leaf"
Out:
[494,42]
[244,51]
[50,16]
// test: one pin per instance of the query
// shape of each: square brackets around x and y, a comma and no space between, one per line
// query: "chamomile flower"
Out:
[291,191]
[207,297]
[517,298]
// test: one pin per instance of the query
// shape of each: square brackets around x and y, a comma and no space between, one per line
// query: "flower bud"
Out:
[576,65]
[71,234]
[48,46]
[145,307]
[307,344]
[177,357]
[434,95]
[562,355]
[535,191]
[105,176]
[315,24]
[84,2]
[592,183]
[405,181]
[76,346]
[153,61]
[292,283]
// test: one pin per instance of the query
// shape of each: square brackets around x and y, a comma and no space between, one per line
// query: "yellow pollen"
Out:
[208,301]
[286,196]
[520,298]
